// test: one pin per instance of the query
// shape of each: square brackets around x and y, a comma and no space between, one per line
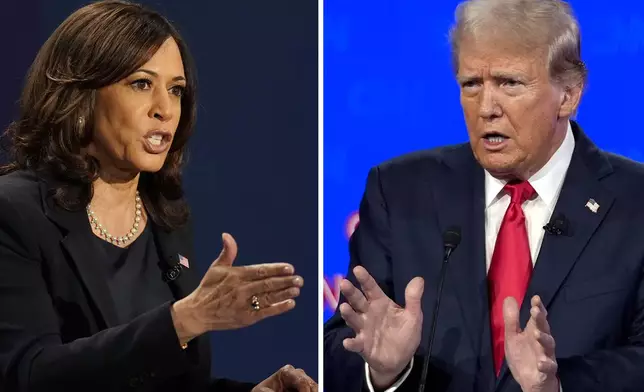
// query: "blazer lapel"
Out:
[559,254]
[461,202]
[171,246]
[78,243]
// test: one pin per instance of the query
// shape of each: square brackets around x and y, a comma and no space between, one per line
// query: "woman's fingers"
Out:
[268,299]
[228,252]
[273,284]
[263,271]
[297,379]
[235,297]
[273,310]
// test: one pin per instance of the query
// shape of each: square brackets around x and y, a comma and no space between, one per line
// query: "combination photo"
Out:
[321,195]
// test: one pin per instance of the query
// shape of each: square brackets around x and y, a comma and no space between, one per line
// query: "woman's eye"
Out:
[178,90]
[141,84]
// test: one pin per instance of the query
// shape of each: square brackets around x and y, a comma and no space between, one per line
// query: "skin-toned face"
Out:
[137,117]
[516,116]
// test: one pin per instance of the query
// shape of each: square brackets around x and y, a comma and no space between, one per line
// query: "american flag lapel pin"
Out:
[184,261]
[592,205]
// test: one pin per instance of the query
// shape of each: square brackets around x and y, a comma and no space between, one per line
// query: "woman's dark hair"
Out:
[98,45]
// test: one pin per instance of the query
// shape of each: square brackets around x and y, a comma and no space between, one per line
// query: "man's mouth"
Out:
[495,138]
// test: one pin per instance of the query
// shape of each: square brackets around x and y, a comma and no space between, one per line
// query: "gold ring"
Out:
[254,303]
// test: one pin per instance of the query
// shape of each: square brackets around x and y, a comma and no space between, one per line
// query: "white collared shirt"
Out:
[547,183]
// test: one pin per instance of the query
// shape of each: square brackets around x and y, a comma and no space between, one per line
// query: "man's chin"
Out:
[501,170]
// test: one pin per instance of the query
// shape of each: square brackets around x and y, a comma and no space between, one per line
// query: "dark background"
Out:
[253,160]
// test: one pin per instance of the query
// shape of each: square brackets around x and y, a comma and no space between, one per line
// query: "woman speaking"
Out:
[97,289]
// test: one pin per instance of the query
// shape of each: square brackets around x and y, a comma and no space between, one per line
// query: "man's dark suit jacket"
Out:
[58,329]
[590,278]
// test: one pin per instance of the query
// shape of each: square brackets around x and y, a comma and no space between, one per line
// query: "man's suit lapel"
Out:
[559,253]
[79,243]
[460,201]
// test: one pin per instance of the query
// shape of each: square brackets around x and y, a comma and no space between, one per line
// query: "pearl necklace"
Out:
[114,239]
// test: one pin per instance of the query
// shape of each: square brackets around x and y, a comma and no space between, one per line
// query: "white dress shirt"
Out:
[547,183]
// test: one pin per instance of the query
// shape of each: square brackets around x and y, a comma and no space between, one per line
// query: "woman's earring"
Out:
[81,122]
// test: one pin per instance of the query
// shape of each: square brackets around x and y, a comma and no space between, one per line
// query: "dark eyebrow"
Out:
[147,71]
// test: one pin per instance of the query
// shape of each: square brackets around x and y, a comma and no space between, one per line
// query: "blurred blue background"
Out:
[389,89]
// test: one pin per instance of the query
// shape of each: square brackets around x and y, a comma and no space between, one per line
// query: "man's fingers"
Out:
[547,365]
[545,342]
[368,284]
[538,320]
[540,314]
[263,271]
[228,252]
[355,345]
[354,296]
[511,317]
[353,320]
[414,295]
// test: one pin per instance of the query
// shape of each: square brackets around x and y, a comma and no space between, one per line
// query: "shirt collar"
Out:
[547,181]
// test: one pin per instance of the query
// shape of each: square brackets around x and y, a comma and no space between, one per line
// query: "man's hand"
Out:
[387,335]
[287,379]
[530,353]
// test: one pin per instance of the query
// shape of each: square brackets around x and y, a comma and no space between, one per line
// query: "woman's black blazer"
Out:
[58,328]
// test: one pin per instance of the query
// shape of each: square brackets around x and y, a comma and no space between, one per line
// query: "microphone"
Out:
[558,225]
[171,273]
[451,239]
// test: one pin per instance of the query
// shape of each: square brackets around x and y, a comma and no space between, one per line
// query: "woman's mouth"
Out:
[157,142]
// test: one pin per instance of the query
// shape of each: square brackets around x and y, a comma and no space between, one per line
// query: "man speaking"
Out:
[512,263]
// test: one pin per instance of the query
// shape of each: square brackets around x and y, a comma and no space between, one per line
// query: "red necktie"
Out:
[511,265]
